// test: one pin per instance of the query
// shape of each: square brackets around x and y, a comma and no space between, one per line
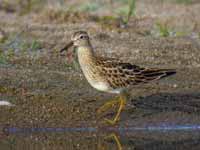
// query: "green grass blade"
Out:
[132,8]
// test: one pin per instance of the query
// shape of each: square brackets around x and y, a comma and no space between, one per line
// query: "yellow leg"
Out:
[122,101]
[107,106]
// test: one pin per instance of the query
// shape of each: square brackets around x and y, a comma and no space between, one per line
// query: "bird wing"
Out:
[120,74]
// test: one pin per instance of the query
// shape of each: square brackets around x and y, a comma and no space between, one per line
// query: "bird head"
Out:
[78,39]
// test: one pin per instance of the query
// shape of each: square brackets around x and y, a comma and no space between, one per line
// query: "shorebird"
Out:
[109,74]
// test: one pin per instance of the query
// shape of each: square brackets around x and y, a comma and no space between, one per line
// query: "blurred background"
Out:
[40,88]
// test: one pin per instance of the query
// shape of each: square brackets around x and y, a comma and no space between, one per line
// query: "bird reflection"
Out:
[103,142]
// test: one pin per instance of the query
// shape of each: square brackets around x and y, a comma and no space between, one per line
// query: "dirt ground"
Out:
[48,90]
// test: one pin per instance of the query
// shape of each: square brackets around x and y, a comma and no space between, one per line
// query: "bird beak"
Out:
[70,44]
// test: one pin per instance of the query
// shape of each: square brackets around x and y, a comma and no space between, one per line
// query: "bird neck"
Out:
[85,54]
[85,51]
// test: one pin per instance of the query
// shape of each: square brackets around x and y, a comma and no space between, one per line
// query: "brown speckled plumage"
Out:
[122,75]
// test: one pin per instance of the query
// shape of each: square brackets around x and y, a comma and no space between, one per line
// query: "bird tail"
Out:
[156,74]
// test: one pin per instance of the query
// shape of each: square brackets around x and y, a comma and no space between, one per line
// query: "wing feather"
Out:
[122,74]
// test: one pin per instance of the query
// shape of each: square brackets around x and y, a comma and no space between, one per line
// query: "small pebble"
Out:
[5,103]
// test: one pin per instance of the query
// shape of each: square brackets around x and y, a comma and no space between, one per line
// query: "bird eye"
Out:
[81,37]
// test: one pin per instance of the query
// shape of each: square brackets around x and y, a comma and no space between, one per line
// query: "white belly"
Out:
[102,86]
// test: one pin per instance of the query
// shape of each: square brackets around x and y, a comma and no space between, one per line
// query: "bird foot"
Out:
[111,122]
[107,106]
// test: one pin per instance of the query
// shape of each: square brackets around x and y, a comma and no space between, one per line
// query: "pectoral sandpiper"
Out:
[109,74]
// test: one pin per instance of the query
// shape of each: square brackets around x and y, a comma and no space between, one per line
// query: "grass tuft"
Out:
[163,29]
[89,7]
[132,9]
[35,45]
[183,1]
[127,11]
[3,59]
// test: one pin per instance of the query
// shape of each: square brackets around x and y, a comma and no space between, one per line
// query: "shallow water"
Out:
[165,137]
